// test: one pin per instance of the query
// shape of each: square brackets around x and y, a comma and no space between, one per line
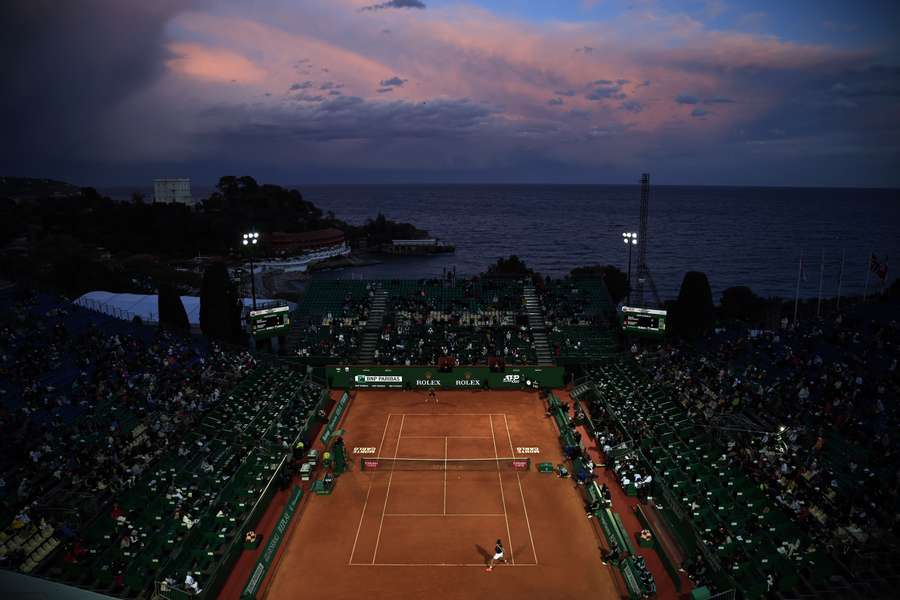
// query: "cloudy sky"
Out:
[107,92]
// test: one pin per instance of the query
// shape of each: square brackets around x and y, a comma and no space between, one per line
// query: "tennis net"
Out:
[376,463]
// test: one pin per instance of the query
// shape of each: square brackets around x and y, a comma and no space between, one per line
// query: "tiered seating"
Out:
[469,321]
[577,314]
[742,533]
[330,320]
[185,511]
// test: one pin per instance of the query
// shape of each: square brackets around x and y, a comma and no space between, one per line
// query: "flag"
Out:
[879,268]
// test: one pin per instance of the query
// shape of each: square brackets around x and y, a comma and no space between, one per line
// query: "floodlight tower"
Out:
[643,272]
[630,239]
[249,240]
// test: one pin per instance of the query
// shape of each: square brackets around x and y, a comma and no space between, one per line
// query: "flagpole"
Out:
[868,272]
[821,277]
[797,293]
[840,279]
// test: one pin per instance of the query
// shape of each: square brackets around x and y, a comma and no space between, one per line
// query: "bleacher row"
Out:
[187,512]
[577,314]
[712,506]
[330,319]
[469,320]
[638,580]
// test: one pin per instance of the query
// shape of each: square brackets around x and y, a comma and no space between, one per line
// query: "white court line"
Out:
[502,495]
[525,508]
[450,414]
[388,492]
[500,566]
[440,437]
[444,515]
[369,491]
[445,475]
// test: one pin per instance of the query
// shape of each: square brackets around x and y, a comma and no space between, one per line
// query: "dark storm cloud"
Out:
[395,4]
[555,101]
[351,117]
[687,99]
[700,112]
[606,90]
[384,89]
[393,81]
[568,93]
[308,98]
[718,100]
[66,64]
[301,86]
[631,106]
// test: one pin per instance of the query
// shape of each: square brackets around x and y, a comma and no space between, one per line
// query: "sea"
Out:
[752,236]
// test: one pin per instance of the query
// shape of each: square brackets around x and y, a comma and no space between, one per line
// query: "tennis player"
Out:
[498,555]
[432,395]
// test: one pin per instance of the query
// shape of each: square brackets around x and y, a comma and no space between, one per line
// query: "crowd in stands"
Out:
[332,317]
[576,313]
[820,419]
[469,321]
[119,440]
[116,402]
[414,343]
[336,339]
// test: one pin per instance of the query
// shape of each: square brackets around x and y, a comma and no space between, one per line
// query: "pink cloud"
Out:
[464,52]
[213,64]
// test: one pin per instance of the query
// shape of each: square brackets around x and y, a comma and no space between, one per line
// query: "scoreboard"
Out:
[643,320]
[269,322]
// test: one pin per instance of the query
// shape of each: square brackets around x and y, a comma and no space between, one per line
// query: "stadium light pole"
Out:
[250,240]
[630,239]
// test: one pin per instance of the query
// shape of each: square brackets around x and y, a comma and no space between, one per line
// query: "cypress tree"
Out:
[171,311]
[694,310]
[220,313]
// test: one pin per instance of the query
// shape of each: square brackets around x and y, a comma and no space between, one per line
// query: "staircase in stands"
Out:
[537,326]
[373,326]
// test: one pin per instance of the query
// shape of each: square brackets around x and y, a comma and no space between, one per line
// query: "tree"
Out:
[171,311]
[694,313]
[742,304]
[616,281]
[137,197]
[220,310]
[509,267]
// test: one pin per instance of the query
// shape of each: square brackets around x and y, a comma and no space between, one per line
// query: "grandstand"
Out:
[468,321]
[750,465]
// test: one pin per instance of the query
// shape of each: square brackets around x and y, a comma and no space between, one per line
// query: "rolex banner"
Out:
[458,378]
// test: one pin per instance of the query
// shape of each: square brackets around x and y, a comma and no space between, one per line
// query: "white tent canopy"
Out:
[145,306]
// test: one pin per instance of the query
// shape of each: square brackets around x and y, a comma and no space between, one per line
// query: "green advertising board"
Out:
[268,554]
[458,378]
[335,417]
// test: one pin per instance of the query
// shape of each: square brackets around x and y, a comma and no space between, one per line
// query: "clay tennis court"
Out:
[407,527]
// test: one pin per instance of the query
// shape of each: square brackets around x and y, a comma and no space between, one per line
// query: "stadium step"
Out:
[375,322]
[536,324]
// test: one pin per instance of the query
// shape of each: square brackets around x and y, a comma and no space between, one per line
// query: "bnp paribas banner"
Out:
[458,378]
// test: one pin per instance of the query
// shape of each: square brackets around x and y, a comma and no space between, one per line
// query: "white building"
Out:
[173,190]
